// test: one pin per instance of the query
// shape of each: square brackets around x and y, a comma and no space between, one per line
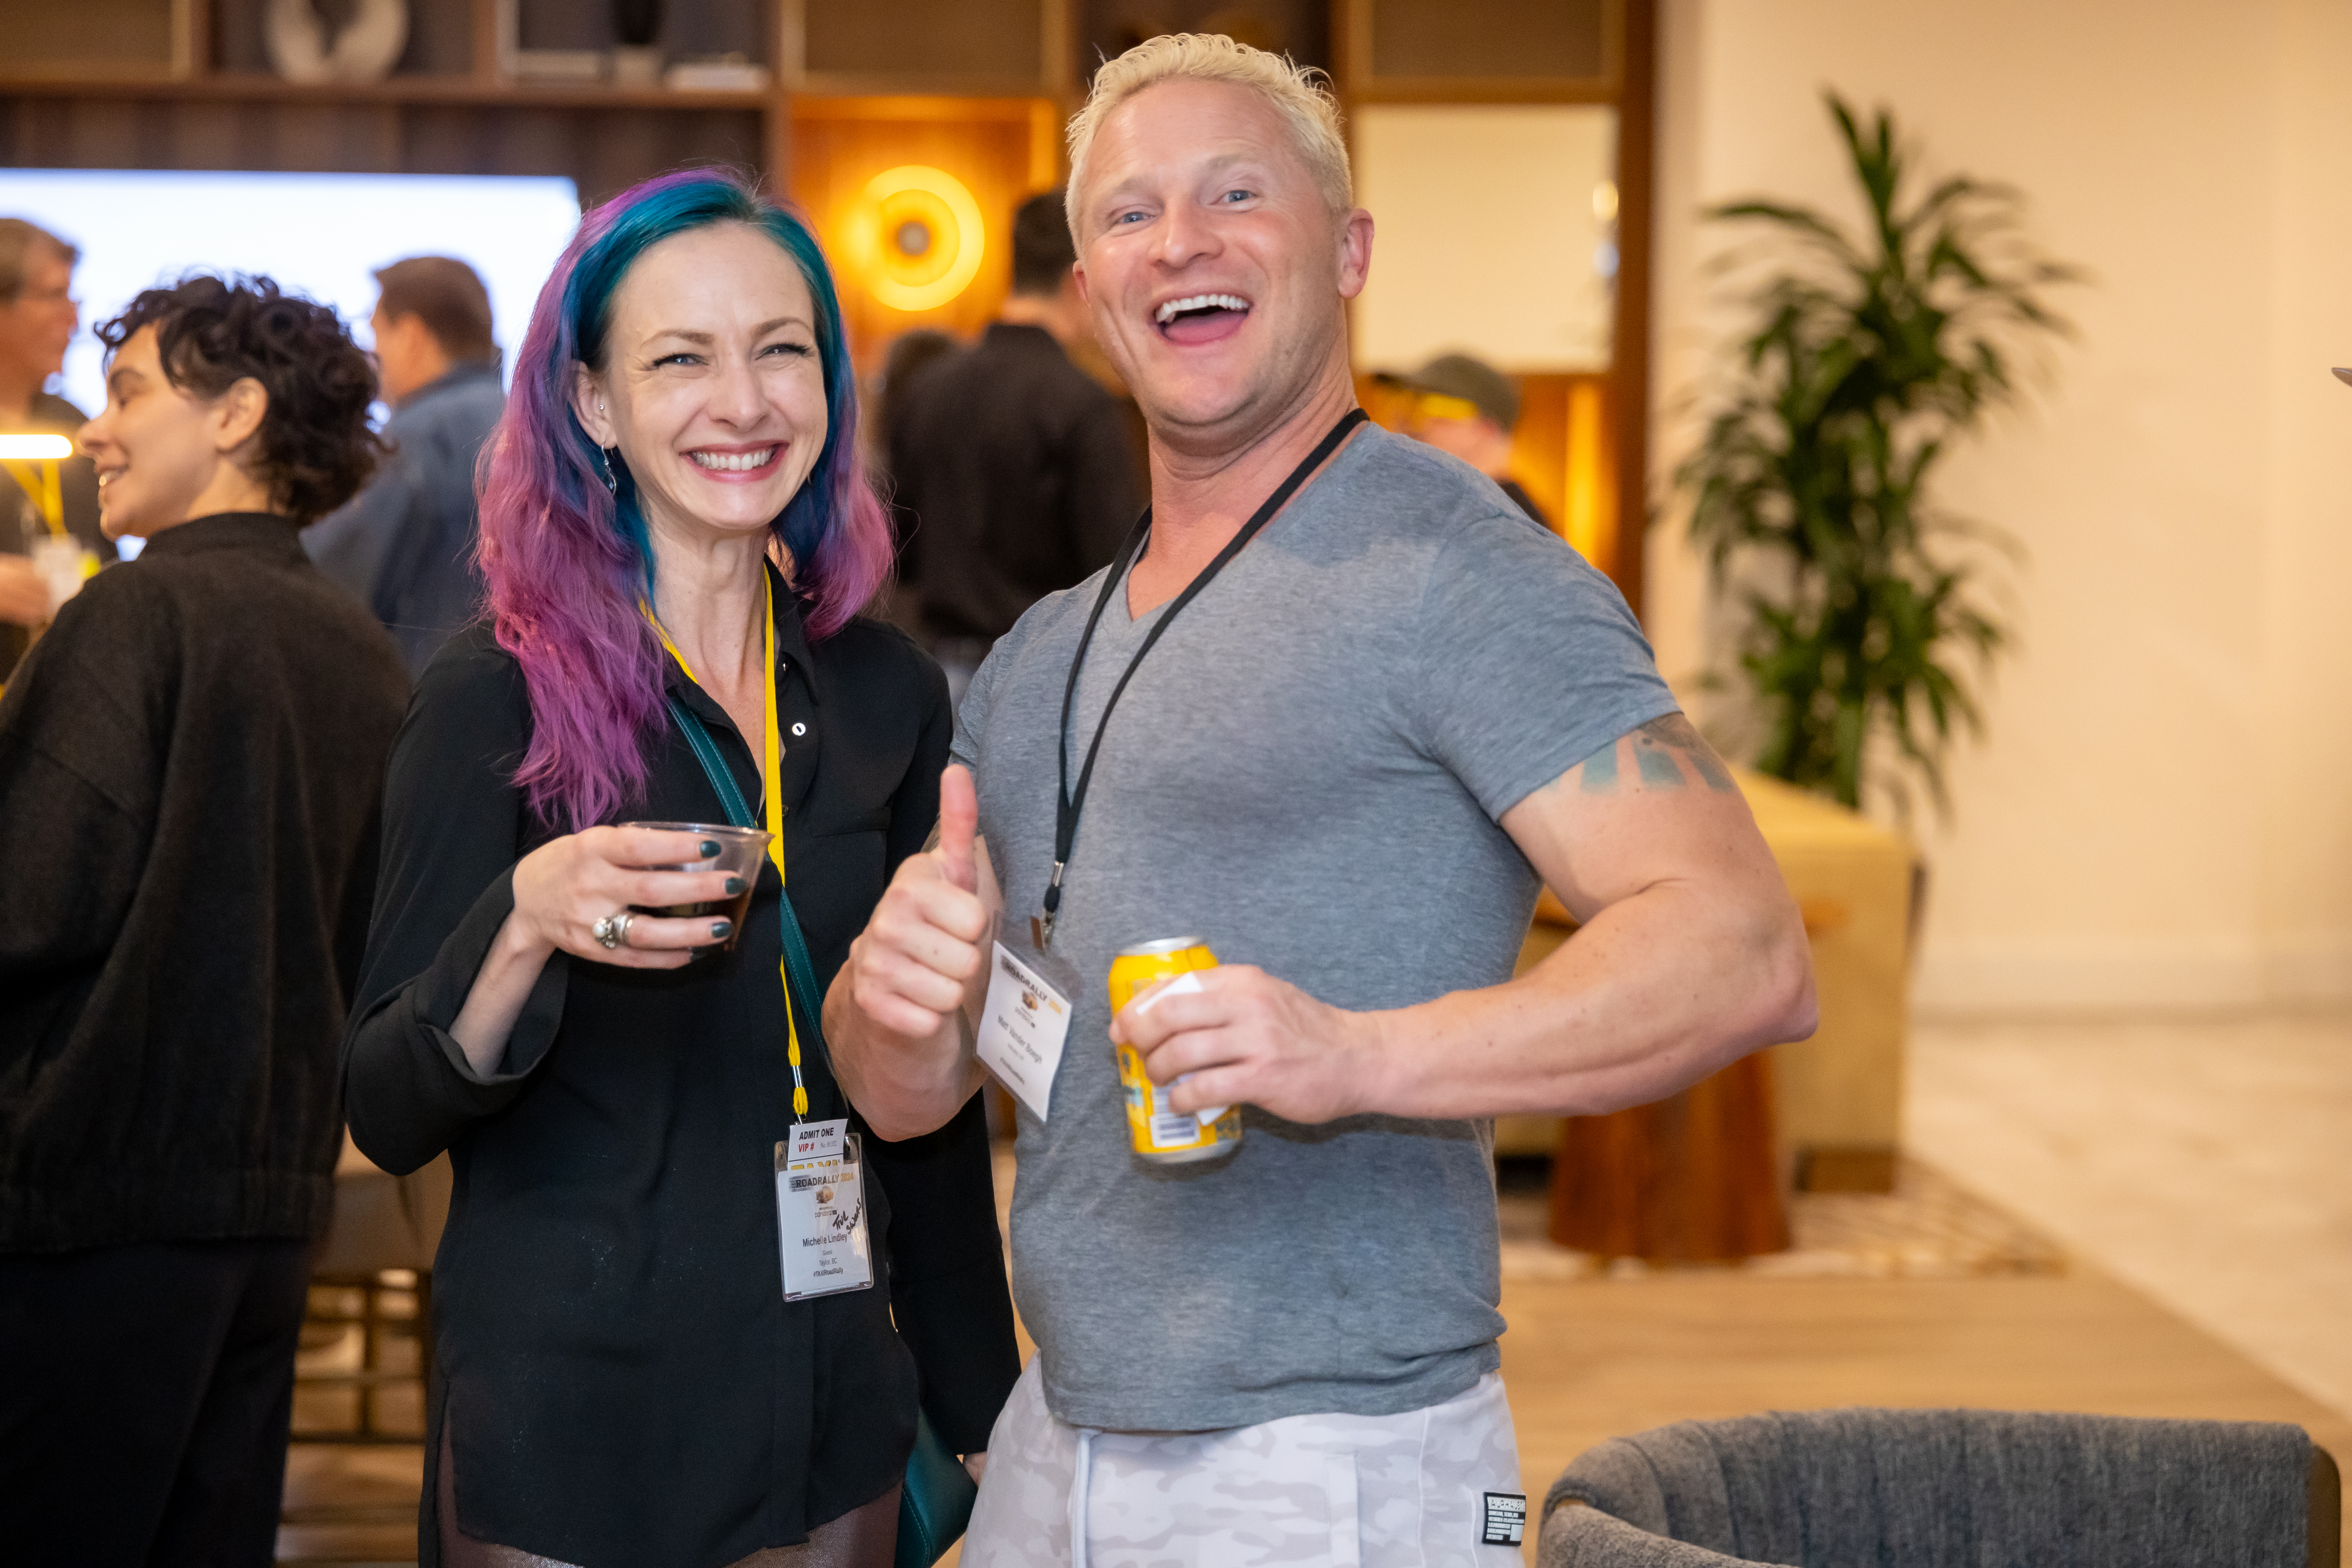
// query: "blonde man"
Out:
[1347,761]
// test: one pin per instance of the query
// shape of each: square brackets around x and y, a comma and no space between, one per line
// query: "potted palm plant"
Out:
[1866,358]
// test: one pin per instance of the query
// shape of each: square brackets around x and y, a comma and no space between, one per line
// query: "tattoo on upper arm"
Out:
[1663,749]
[1601,770]
[1657,764]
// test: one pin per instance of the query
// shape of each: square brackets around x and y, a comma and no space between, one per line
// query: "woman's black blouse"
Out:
[622,1380]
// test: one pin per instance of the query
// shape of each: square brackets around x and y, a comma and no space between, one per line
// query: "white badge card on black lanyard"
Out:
[821,1212]
[1025,1021]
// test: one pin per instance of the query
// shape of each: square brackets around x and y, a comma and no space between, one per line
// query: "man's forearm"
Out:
[1658,991]
[903,1087]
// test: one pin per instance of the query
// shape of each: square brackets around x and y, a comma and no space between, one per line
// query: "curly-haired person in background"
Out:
[191,771]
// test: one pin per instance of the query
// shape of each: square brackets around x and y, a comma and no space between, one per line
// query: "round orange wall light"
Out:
[916,235]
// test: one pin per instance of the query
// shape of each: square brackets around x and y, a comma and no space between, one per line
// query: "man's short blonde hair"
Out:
[1300,94]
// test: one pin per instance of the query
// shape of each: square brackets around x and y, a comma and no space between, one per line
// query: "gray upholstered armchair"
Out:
[1947,1488]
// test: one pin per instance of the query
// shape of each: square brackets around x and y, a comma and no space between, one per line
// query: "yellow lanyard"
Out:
[772,784]
[39,481]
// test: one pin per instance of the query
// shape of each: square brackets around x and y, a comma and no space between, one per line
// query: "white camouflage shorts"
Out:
[1357,1492]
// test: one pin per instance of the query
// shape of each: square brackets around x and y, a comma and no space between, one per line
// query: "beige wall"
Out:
[1486,234]
[2160,816]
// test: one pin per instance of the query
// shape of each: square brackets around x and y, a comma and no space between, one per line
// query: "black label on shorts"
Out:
[1506,1518]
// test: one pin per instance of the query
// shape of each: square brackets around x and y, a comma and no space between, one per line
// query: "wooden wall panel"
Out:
[615,151]
[1109,28]
[1481,51]
[1628,385]
[125,36]
[1564,453]
[603,150]
[1476,39]
[970,47]
[914,38]
[1002,151]
[67,134]
[332,136]
[208,136]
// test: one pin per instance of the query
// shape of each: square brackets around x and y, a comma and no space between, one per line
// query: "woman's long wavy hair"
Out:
[568,561]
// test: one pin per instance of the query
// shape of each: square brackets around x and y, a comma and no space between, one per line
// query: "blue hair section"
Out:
[815,509]
[681,204]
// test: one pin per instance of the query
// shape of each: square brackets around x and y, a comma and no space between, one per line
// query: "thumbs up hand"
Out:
[909,971]
[959,826]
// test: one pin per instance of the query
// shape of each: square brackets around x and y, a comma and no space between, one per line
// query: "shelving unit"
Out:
[478,119]
[181,84]
[429,89]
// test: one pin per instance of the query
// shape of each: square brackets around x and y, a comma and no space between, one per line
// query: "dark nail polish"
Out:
[722,929]
[710,847]
[734,887]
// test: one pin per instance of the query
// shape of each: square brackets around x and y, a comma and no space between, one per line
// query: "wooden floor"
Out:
[2203,1162]
[1586,1360]
[2213,1185]
[350,1505]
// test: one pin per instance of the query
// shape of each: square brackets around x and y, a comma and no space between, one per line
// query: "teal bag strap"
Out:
[935,1502]
[935,1495]
[714,767]
[738,815]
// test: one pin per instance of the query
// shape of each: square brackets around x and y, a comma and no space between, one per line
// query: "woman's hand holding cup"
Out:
[566,888]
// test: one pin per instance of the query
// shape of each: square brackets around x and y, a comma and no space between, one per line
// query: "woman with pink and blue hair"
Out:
[677,540]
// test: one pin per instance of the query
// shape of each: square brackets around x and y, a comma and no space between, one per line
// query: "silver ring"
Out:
[614,929]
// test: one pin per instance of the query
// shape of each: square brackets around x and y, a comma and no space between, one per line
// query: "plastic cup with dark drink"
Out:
[741,850]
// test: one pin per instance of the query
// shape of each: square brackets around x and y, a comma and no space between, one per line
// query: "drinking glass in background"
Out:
[740,850]
[64,566]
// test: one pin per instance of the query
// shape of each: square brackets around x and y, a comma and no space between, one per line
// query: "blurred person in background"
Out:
[908,353]
[1015,469]
[405,543]
[678,538]
[1467,409]
[190,766]
[38,318]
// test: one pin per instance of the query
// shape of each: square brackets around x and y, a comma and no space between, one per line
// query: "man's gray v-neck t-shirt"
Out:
[1307,772]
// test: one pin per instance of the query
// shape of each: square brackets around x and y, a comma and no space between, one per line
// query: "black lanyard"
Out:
[1068,806]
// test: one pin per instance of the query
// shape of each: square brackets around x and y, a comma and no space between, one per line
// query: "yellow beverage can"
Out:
[1155,1131]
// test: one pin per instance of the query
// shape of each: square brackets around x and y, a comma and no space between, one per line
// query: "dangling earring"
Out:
[612,485]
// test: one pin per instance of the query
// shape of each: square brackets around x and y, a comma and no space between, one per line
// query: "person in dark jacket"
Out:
[631,1368]
[1014,471]
[405,543]
[191,770]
